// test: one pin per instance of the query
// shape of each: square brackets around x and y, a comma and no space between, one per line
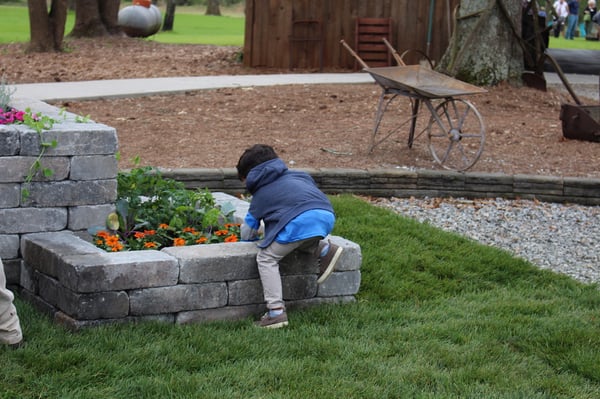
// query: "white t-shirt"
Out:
[562,9]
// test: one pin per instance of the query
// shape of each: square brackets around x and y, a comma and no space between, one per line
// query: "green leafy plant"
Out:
[153,212]
[39,123]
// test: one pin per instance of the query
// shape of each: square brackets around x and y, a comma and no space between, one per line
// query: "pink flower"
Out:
[20,115]
[12,116]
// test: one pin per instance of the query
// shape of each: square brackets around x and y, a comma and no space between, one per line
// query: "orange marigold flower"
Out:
[139,235]
[163,226]
[189,230]
[230,225]
[149,232]
[117,247]
[178,242]
[150,244]
[221,232]
[111,241]
[99,242]
[103,234]
[201,240]
[231,238]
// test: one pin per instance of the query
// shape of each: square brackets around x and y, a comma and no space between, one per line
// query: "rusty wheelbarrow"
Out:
[455,131]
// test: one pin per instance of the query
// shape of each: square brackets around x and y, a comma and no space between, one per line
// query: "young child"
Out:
[296,216]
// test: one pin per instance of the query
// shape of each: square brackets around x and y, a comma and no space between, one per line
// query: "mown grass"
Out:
[437,316]
[190,26]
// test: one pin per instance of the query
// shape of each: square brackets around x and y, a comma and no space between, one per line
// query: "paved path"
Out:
[585,85]
[89,90]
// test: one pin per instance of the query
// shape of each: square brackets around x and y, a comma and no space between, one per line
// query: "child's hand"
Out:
[247,233]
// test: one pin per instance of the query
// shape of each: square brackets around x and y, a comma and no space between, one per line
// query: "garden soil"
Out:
[319,126]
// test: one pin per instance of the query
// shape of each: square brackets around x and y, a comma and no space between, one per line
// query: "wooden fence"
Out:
[424,25]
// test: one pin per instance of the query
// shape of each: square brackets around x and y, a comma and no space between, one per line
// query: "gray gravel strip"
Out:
[562,238]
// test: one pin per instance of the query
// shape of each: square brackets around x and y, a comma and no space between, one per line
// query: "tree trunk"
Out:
[212,7]
[95,18]
[169,16]
[109,14]
[47,29]
[485,48]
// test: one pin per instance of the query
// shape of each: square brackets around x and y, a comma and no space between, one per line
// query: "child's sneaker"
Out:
[266,321]
[327,262]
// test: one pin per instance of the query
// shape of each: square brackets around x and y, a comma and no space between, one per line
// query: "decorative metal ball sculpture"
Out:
[142,19]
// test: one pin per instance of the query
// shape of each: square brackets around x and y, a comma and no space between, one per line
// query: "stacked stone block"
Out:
[78,194]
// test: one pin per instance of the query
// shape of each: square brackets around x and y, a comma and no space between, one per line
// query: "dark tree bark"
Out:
[95,18]
[212,7]
[169,16]
[47,29]
[486,47]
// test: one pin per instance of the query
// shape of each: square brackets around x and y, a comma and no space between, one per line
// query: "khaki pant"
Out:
[10,328]
[268,267]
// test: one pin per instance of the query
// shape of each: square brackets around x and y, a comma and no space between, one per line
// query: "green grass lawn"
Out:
[578,43]
[437,316]
[190,26]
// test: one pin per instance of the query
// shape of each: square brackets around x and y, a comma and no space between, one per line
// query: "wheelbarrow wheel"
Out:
[456,134]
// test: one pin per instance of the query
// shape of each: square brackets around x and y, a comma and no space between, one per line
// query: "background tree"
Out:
[96,18]
[486,46]
[212,7]
[47,28]
[169,16]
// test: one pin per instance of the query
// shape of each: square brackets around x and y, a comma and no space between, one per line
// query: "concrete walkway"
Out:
[91,90]
[584,85]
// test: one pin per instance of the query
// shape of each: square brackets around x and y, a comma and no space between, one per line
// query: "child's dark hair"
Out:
[254,156]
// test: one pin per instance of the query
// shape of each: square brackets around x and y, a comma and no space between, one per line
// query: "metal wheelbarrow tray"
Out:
[422,81]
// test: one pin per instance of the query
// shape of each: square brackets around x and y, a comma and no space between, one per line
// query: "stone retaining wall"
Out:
[417,183]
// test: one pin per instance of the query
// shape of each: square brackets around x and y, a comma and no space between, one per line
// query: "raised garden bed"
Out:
[81,285]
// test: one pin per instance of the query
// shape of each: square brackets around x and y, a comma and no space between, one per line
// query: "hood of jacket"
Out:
[265,173]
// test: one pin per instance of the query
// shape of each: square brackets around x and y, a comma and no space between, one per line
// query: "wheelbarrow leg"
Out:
[381,108]
[413,123]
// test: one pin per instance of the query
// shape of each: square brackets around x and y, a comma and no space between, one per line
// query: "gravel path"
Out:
[562,238]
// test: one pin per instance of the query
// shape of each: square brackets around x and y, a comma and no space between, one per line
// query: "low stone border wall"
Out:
[79,285]
[417,183]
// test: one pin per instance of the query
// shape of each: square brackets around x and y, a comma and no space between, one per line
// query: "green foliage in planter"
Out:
[146,197]
[153,212]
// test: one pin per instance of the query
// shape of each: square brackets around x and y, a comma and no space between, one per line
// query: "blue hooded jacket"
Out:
[279,195]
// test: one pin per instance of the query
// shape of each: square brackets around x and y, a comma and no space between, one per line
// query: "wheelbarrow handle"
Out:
[394,52]
[360,61]
[562,77]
